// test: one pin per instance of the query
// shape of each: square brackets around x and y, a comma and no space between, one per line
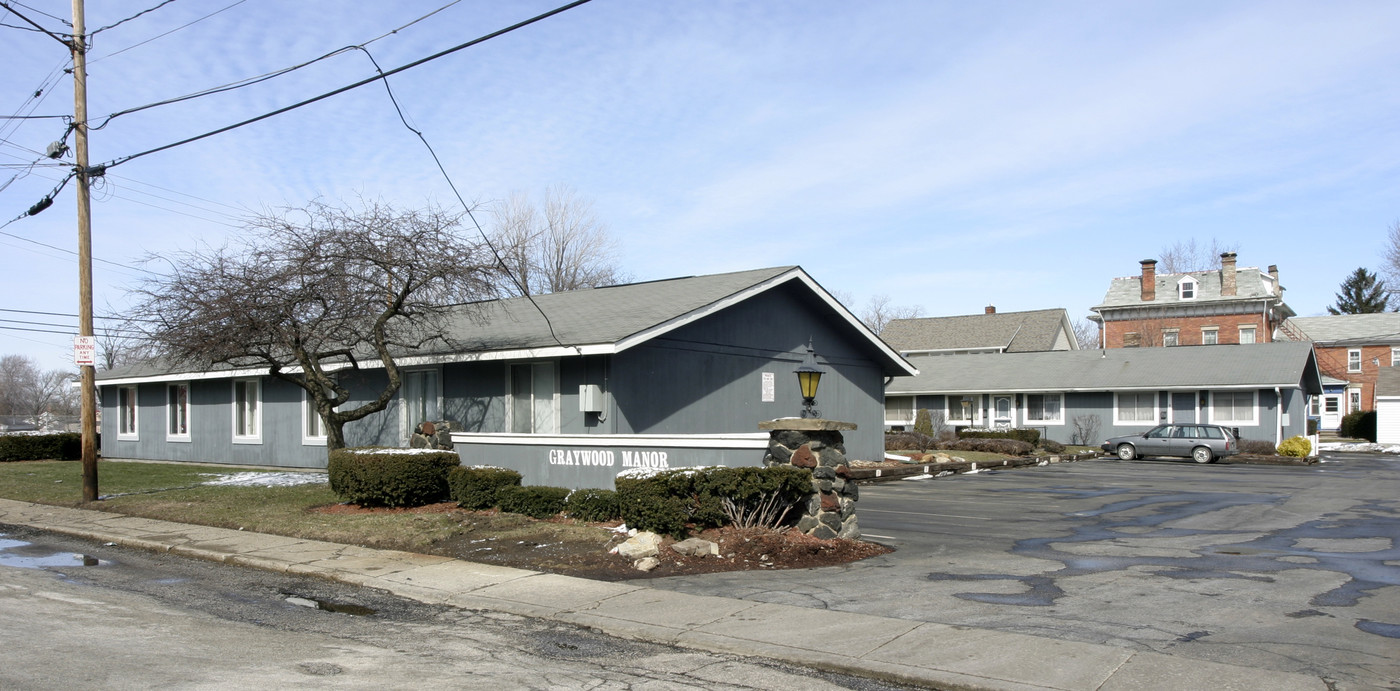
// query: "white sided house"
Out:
[569,390]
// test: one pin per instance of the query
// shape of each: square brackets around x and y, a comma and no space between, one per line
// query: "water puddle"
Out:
[24,555]
[328,606]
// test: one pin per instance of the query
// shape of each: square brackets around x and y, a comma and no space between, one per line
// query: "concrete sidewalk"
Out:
[927,654]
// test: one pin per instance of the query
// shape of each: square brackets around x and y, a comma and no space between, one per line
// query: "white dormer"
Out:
[1187,288]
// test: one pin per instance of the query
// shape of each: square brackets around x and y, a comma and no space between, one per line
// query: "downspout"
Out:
[1278,429]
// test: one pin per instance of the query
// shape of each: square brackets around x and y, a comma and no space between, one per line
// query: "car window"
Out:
[1188,432]
[1160,432]
[1213,433]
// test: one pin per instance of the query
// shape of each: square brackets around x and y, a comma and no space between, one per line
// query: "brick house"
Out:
[1352,350]
[1231,305]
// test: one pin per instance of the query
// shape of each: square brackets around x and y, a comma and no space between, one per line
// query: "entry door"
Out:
[1003,412]
[1331,411]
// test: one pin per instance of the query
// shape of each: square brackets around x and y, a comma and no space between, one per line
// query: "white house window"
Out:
[899,410]
[1314,405]
[247,411]
[961,410]
[126,416]
[1044,407]
[1169,338]
[1210,335]
[1394,357]
[422,397]
[532,399]
[1355,395]
[1232,408]
[1187,288]
[1138,408]
[1247,334]
[1354,360]
[177,409]
[313,429]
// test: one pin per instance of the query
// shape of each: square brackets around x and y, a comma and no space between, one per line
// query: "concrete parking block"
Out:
[836,633]
[1146,671]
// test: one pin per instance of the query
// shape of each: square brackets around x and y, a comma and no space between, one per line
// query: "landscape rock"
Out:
[696,547]
[646,563]
[640,546]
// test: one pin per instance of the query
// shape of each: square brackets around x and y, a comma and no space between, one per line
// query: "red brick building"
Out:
[1231,305]
[1352,350]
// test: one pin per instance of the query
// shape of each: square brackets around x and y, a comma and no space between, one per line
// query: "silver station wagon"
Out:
[1201,443]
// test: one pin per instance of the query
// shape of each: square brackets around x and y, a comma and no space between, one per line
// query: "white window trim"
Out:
[1254,397]
[1353,392]
[913,411]
[1210,329]
[976,410]
[1249,328]
[1156,411]
[1357,352]
[405,424]
[1394,357]
[135,434]
[258,412]
[558,393]
[171,436]
[1181,288]
[1025,411]
[1176,333]
[306,410]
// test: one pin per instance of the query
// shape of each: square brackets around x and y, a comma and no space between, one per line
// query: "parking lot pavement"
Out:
[1294,568]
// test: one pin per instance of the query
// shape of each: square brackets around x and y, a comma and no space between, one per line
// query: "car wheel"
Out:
[1202,454]
[1127,452]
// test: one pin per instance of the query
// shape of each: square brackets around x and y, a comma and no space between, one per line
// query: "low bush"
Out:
[646,503]
[1009,447]
[1051,446]
[535,501]
[390,477]
[1297,447]
[593,505]
[757,497]
[1257,447]
[475,487]
[669,501]
[909,441]
[1359,425]
[62,446]
[1030,436]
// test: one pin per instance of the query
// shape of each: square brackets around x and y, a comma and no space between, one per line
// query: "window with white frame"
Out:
[532,399]
[177,412]
[1210,335]
[1355,396]
[127,409]
[1233,408]
[962,410]
[1135,408]
[1044,407]
[1169,338]
[1315,406]
[899,410]
[1394,357]
[1354,360]
[247,411]
[1247,334]
[313,428]
[1186,289]
[422,397]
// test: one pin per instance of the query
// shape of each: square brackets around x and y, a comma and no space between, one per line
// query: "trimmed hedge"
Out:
[1052,446]
[1030,436]
[1297,447]
[593,505]
[534,501]
[390,477]
[909,441]
[1258,447]
[1010,447]
[476,487]
[1359,425]
[61,446]
[670,501]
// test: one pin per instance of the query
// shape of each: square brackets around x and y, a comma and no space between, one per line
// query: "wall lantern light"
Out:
[809,376]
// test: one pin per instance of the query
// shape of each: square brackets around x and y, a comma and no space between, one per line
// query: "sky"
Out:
[946,155]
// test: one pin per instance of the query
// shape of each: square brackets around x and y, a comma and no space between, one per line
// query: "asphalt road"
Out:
[1294,568]
[75,614]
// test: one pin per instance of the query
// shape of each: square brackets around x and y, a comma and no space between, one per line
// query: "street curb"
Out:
[898,650]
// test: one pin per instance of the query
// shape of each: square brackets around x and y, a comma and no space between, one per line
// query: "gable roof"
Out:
[1281,364]
[1250,284]
[1388,382]
[1344,329]
[1012,332]
[581,322]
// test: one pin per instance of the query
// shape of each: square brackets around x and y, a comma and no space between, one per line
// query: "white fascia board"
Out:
[188,376]
[755,440]
[969,351]
[794,274]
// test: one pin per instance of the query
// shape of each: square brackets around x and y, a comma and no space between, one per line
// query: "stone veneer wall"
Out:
[818,446]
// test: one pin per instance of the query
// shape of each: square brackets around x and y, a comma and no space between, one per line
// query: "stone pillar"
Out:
[818,446]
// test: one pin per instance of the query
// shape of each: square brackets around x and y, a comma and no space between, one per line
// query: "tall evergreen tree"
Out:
[1362,293]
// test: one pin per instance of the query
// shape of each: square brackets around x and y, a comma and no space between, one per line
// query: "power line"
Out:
[343,89]
[157,36]
[61,20]
[74,316]
[94,32]
[35,24]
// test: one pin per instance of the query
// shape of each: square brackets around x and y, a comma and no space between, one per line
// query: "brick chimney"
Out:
[1273,273]
[1227,275]
[1149,280]
[990,309]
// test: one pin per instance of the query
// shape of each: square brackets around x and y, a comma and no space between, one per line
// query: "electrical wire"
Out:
[94,32]
[61,20]
[158,36]
[74,316]
[348,87]
[36,25]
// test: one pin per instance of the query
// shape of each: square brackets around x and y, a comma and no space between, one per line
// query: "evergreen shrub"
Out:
[1009,447]
[670,501]
[1030,436]
[374,476]
[534,501]
[1297,447]
[923,422]
[61,446]
[475,487]
[1052,446]
[1359,425]
[593,505]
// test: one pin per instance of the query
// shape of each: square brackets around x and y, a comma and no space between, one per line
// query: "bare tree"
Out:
[1391,268]
[1184,256]
[308,291]
[1086,429]
[554,248]
[878,312]
[27,391]
[1086,332]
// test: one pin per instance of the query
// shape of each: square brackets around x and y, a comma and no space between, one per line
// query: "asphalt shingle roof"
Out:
[1014,331]
[1282,364]
[1380,328]
[1250,284]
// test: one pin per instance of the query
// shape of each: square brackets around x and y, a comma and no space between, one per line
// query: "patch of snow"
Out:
[896,457]
[1360,448]
[925,476]
[255,479]
[380,452]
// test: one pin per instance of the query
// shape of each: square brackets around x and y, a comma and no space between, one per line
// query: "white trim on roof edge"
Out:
[1097,389]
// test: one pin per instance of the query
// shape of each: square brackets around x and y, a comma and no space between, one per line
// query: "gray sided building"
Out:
[590,383]
[1262,389]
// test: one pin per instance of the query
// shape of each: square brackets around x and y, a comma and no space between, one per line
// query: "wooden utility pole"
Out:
[80,146]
